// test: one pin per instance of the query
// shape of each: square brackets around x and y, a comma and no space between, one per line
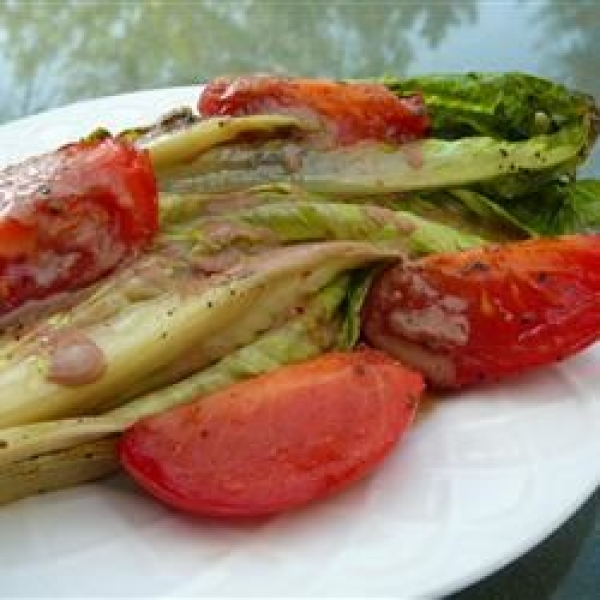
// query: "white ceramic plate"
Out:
[478,481]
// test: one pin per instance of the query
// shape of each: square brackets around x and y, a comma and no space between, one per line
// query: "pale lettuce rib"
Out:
[58,469]
[435,163]
[185,144]
[151,335]
[373,168]
[315,331]
[138,322]
[305,221]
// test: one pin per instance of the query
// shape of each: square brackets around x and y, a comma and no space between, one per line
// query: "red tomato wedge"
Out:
[276,441]
[483,314]
[350,112]
[68,217]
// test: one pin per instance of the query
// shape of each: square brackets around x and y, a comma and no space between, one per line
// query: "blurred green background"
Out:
[56,52]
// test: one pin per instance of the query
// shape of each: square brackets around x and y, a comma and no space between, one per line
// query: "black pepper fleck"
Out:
[476,267]
[542,277]
[360,370]
[527,319]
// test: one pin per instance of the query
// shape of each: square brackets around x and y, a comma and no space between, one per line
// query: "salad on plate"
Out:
[243,303]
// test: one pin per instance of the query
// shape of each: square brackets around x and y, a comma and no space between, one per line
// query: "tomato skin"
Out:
[277,441]
[69,217]
[351,112]
[487,313]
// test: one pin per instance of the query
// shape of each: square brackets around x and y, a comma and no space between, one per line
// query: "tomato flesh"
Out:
[69,217]
[483,314]
[350,112]
[277,441]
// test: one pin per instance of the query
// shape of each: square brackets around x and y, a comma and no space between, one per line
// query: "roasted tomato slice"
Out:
[68,217]
[350,112]
[277,441]
[483,314]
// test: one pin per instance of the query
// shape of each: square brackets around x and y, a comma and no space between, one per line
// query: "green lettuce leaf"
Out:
[193,321]
[357,292]
[464,211]
[560,208]
[489,211]
[511,106]
[373,169]
[55,454]
[435,164]
[301,221]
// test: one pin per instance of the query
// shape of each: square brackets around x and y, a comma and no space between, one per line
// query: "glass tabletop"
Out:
[54,53]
